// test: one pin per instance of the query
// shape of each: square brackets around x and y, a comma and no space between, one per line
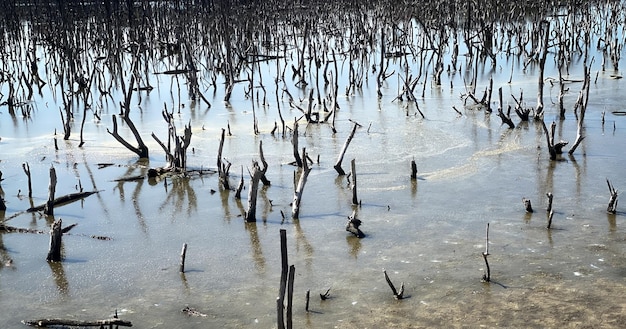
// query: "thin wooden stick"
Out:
[487,274]
[183,254]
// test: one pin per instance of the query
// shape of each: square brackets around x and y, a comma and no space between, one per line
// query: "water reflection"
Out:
[257,252]
[58,275]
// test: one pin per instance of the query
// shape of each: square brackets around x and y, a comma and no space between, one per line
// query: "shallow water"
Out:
[428,233]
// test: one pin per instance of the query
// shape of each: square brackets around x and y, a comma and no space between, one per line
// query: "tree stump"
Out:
[56,233]
[49,207]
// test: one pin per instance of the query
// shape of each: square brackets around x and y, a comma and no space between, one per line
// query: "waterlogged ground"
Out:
[428,234]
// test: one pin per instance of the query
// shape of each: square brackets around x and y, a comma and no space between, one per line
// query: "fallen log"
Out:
[76,323]
[69,198]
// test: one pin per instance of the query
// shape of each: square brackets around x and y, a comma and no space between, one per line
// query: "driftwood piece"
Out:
[396,294]
[56,234]
[297,196]
[527,205]
[76,323]
[69,198]
[353,224]
[338,168]
[49,206]
[612,207]
[192,312]
[294,142]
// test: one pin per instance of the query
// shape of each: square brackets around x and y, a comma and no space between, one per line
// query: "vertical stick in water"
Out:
[292,273]
[49,208]
[183,254]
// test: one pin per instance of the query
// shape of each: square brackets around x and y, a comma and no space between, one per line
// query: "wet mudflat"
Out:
[415,79]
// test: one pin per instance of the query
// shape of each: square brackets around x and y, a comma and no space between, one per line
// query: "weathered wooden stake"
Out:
[183,254]
[550,219]
[487,274]
[294,142]
[280,305]
[54,253]
[413,170]
[292,273]
[49,208]
[355,199]
[550,196]
[308,297]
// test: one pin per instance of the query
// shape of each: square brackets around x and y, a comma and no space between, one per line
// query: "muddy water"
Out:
[428,233]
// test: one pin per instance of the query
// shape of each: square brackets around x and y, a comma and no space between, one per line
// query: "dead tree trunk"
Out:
[26,168]
[343,151]
[222,169]
[581,103]
[506,118]
[183,255]
[355,199]
[542,64]
[255,176]
[294,142]
[612,208]
[49,208]
[297,197]
[54,253]
[141,149]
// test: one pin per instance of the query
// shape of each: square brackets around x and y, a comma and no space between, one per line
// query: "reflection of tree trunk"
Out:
[257,252]
[58,274]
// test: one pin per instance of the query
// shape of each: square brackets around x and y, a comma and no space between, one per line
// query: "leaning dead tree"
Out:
[397,294]
[612,207]
[338,168]
[255,176]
